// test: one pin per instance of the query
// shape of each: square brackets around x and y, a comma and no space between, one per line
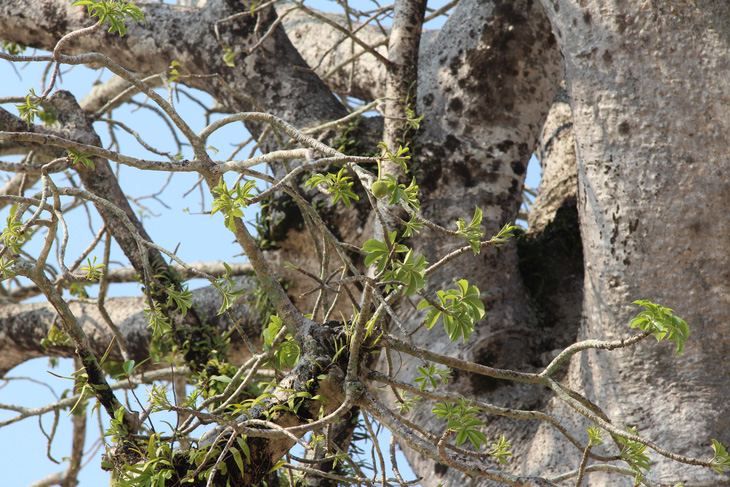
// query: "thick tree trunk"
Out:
[479,132]
[647,82]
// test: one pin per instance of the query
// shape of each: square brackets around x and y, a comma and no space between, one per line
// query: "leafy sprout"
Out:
[93,270]
[459,309]
[473,232]
[231,202]
[338,185]
[662,323]
[114,12]
[432,375]
[721,460]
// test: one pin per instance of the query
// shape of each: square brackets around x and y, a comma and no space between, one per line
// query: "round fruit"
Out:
[379,188]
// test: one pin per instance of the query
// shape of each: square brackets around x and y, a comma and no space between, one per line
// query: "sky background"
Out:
[168,219]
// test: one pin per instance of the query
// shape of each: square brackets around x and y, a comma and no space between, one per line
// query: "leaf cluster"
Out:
[461,417]
[114,12]
[75,156]
[459,308]
[399,192]
[157,320]
[472,232]
[432,375]
[182,299]
[93,270]
[633,452]
[231,202]
[11,236]
[156,469]
[30,108]
[399,157]
[6,268]
[662,323]
[226,287]
[56,337]
[338,185]
[501,450]
[721,460]
[505,234]
[380,252]
[411,271]
[12,48]
[286,354]
[595,436]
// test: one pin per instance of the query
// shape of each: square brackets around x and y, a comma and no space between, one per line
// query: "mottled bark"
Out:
[556,153]
[341,63]
[24,325]
[479,131]
[651,120]
[187,35]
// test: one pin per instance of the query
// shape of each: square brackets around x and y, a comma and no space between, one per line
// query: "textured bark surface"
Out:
[653,187]
[478,134]
[556,153]
[325,48]
[24,325]
[186,34]
[648,173]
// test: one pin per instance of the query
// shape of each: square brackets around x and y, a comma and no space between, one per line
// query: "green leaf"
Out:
[473,232]
[237,458]
[241,441]
[128,366]
[82,157]
[661,323]
[720,461]
[500,450]
[182,299]
[338,185]
[411,271]
[228,57]
[461,307]
[400,192]
[378,251]
[277,466]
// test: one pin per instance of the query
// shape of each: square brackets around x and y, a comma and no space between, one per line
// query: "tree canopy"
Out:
[377,278]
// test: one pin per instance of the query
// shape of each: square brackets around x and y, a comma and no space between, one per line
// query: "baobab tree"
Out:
[385,280]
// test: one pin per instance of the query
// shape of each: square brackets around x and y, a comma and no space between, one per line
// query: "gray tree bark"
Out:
[650,131]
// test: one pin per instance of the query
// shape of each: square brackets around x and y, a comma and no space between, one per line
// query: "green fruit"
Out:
[379,188]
